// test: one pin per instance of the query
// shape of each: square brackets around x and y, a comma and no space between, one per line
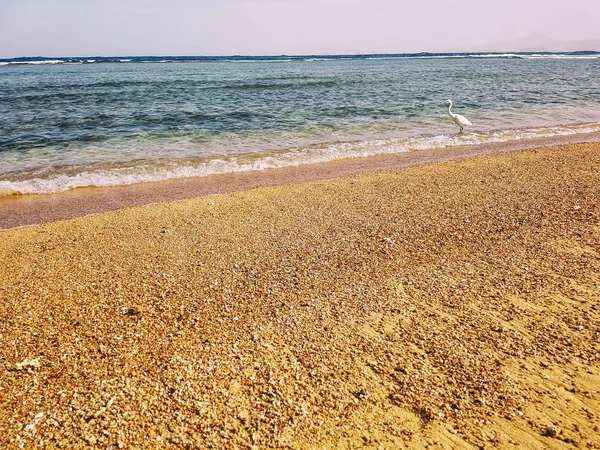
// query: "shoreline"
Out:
[28,210]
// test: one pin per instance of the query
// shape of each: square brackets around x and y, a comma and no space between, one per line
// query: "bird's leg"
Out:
[461,129]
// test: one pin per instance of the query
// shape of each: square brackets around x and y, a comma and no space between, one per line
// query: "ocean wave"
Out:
[558,56]
[448,56]
[256,60]
[47,61]
[163,170]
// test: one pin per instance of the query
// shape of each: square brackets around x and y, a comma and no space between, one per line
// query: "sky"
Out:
[275,27]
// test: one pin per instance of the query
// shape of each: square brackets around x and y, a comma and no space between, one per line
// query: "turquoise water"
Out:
[66,125]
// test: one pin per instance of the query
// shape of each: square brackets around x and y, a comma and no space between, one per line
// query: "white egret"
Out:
[459,120]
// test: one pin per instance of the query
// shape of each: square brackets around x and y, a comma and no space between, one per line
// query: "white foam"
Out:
[292,157]
[256,60]
[470,55]
[560,56]
[48,61]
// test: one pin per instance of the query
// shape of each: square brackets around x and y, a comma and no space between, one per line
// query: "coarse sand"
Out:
[448,305]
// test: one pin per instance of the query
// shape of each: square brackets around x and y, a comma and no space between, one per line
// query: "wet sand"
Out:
[448,305]
[33,209]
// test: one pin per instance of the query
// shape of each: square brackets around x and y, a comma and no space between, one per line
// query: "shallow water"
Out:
[68,125]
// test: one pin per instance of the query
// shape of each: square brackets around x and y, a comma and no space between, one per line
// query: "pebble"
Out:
[552,430]
[28,363]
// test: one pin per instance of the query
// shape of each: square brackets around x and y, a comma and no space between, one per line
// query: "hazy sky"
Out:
[227,27]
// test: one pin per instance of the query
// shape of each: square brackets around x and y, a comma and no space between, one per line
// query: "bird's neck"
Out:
[450,110]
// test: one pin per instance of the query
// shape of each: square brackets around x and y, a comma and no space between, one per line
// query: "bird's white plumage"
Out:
[459,120]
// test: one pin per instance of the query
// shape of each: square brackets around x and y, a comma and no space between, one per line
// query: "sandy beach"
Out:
[432,301]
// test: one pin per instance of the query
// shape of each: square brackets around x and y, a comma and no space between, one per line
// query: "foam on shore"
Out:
[103,175]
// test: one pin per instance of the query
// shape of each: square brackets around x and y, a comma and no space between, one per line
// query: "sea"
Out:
[67,123]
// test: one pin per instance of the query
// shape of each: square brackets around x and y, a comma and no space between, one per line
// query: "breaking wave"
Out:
[58,180]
